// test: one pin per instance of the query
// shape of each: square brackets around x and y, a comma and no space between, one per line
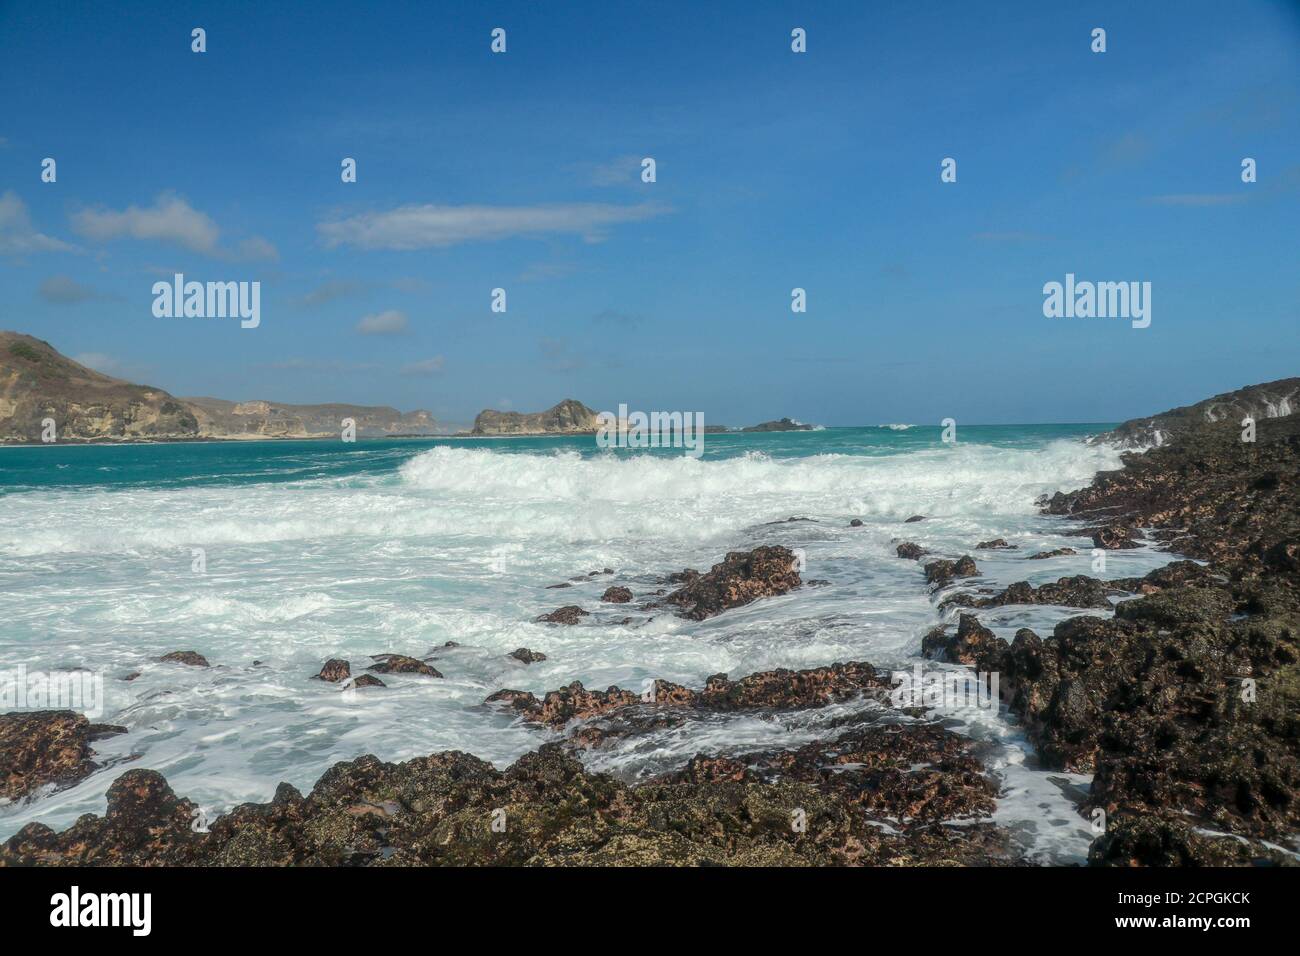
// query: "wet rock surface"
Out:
[401,664]
[739,579]
[939,573]
[779,689]
[189,658]
[569,614]
[47,747]
[910,551]
[453,809]
[1185,704]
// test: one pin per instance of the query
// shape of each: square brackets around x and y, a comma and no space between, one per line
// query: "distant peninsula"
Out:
[37,383]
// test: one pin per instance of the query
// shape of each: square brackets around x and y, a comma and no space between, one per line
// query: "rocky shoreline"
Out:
[1183,704]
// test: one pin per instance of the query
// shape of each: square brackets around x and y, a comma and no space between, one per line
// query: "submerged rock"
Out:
[190,658]
[524,655]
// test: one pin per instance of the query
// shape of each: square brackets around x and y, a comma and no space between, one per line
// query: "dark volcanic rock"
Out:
[401,664]
[1059,552]
[1077,591]
[191,658]
[1115,538]
[616,595]
[526,656]
[779,689]
[940,573]
[997,544]
[1222,412]
[367,680]
[740,578]
[913,518]
[973,644]
[569,614]
[451,809]
[46,747]
[911,551]
[335,670]
[855,523]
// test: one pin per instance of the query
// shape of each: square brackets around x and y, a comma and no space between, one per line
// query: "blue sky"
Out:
[775,170]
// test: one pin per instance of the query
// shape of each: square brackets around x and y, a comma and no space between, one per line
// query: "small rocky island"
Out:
[783,425]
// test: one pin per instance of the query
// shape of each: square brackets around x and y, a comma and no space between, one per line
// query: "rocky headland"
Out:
[37,383]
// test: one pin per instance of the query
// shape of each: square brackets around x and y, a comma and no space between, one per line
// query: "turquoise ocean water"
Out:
[270,557]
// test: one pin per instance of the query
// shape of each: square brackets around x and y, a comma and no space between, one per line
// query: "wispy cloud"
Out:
[430,226]
[616,172]
[391,322]
[559,357]
[330,291]
[17,236]
[424,367]
[171,220]
[65,290]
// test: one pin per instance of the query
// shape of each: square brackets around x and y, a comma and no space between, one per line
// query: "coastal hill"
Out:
[569,417]
[38,382]
[1267,400]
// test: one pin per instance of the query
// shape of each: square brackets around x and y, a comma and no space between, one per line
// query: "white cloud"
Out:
[422,227]
[624,169]
[17,237]
[172,220]
[424,367]
[391,322]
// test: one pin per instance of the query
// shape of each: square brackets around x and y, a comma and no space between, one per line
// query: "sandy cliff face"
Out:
[37,384]
[568,417]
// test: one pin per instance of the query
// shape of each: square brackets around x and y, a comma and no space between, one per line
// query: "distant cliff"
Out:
[38,383]
[1269,400]
[567,418]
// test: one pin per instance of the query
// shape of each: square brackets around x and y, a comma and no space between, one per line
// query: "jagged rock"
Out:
[46,747]
[973,644]
[740,578]
[401,664]
[616,595]
[912,552]
[779,689]
[526,656]
[335,670]
[569,614]
[940,573]
[1077,591]
[997,544]
[1059,552]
